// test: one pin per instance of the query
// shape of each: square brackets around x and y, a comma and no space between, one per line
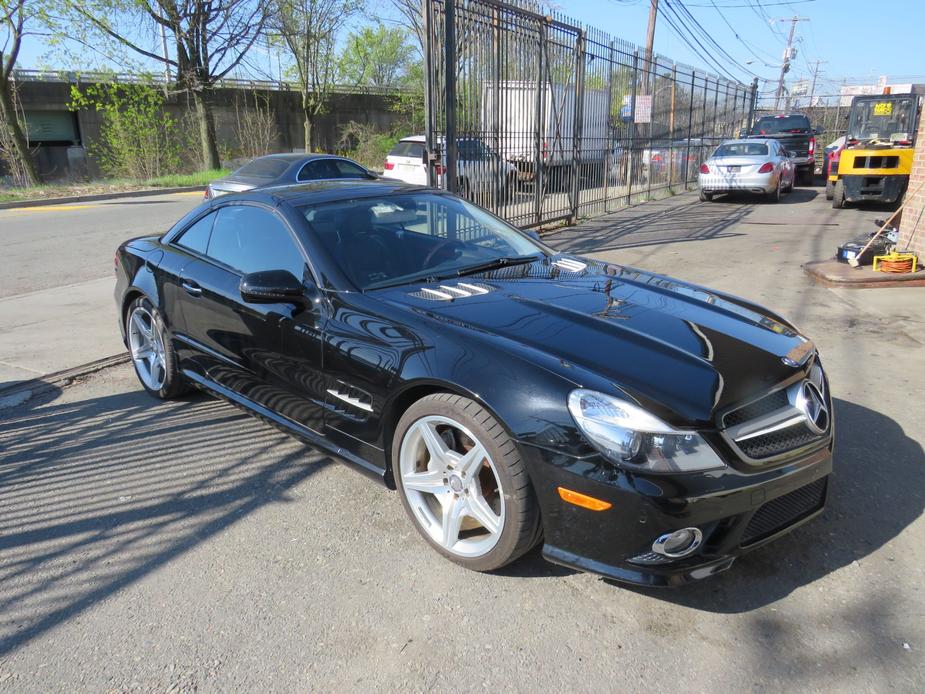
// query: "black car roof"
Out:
[315,192]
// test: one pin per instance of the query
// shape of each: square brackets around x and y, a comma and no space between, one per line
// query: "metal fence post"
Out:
[430,108]
[496,111]
[631,160]
[578,122]
[449,20]
[538,170]
[671,137]
[608,156]
[690,126]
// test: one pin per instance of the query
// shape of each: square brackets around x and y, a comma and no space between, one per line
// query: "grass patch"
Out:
[66,190]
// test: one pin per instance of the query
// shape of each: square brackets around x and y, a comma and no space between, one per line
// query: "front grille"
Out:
[758,408]
[777,442]
[785,511]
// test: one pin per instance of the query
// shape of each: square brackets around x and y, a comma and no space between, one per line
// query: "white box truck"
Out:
[521,109]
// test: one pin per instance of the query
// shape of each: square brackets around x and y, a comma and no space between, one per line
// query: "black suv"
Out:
[796,134]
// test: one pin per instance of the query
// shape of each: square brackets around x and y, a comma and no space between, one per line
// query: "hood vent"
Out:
[448,292]
[570,265]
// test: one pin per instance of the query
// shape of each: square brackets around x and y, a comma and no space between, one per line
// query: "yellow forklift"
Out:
[875,161]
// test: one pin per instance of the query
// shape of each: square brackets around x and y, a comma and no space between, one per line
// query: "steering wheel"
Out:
[447,245]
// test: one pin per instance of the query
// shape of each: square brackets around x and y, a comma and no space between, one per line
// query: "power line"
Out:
[709,38]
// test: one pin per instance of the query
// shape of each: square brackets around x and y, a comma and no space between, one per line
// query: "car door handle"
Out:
[191,288]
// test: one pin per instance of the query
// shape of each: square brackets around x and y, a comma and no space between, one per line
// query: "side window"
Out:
[310,172]
[196,237]
[250,239]
[347,169]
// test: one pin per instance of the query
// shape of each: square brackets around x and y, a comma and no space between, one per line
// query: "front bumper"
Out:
[736,511]
[736,183]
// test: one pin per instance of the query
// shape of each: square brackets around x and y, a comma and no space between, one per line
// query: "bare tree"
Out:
[309,29]
[15,19]
[210,39]
[411,12]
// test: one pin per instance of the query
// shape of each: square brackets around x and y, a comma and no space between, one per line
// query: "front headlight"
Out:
[629,436]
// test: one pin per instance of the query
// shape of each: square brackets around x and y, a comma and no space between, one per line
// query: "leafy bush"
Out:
[365,144]
[138,138]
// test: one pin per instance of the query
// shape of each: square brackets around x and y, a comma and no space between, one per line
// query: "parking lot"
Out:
[148,546]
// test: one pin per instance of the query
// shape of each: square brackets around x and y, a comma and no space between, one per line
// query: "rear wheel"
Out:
[829,190]
[152,352]
[838,195]
[463,483]
[774,195]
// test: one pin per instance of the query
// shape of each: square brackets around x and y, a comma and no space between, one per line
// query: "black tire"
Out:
[522,528]
[174,384]
[706,197]
[838,195]
[789,188]
[829,190]
[774,196]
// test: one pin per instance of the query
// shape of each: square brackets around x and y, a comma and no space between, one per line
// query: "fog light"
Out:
[678,544]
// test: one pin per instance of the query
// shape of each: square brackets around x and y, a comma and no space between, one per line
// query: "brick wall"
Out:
[913,219]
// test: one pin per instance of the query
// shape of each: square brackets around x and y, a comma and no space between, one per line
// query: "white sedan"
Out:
[747,166]
[480,171]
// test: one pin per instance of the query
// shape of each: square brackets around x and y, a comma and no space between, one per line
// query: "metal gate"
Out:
[541,120]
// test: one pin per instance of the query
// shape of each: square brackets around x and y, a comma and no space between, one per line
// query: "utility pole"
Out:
[166,58]
[788,55]
[650,39]
[812,87]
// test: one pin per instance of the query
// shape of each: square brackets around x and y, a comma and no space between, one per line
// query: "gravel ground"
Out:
[185,546]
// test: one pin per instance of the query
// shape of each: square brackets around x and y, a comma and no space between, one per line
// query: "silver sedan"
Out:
[287,169]
[747,166]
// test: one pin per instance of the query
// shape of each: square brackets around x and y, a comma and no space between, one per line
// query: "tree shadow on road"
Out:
[97,494]
[876,491]
[665,223]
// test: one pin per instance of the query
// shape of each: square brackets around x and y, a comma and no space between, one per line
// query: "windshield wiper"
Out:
[426,277]
[496,263]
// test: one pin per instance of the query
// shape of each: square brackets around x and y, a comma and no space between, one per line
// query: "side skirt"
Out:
[307,435]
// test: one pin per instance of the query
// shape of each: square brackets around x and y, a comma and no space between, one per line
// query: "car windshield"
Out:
[882,119]
[263,167]
[774,125]
[407,237]
[741,149]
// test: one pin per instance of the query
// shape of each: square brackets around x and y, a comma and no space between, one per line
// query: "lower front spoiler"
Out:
[665,576]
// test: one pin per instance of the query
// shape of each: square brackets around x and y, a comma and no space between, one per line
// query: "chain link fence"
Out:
[542,120]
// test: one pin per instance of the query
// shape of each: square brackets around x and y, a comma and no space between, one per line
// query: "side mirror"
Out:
[272,287]
[743,133]
[533,235]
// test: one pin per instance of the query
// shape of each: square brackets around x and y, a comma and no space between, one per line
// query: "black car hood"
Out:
[682,350]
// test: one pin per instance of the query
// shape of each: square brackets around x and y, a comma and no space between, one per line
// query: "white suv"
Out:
[478,168]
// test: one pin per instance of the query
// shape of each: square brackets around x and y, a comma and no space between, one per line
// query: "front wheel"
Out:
[838,195]
[829,190]
[152,352]
[463,483]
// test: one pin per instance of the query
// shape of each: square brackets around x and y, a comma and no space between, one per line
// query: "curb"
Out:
[37,385]
[100,196]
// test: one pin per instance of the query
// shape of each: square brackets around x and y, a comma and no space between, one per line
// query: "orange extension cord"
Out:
[899,266]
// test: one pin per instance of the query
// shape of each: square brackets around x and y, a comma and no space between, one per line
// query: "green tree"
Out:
[376,56]
[210,38]
[309,30]
[16,19]
[138,138]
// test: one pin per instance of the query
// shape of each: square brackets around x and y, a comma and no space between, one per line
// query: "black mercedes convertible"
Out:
[639,427]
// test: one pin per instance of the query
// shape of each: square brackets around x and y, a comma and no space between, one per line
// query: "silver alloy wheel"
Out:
[452,486]
[147,346]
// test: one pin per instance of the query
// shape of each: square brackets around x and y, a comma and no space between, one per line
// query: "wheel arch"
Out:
[410,394]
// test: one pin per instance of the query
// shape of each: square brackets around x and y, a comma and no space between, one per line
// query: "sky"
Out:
[835,31]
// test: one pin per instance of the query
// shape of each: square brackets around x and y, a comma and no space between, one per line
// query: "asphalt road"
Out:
[184,546]
[58,245]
